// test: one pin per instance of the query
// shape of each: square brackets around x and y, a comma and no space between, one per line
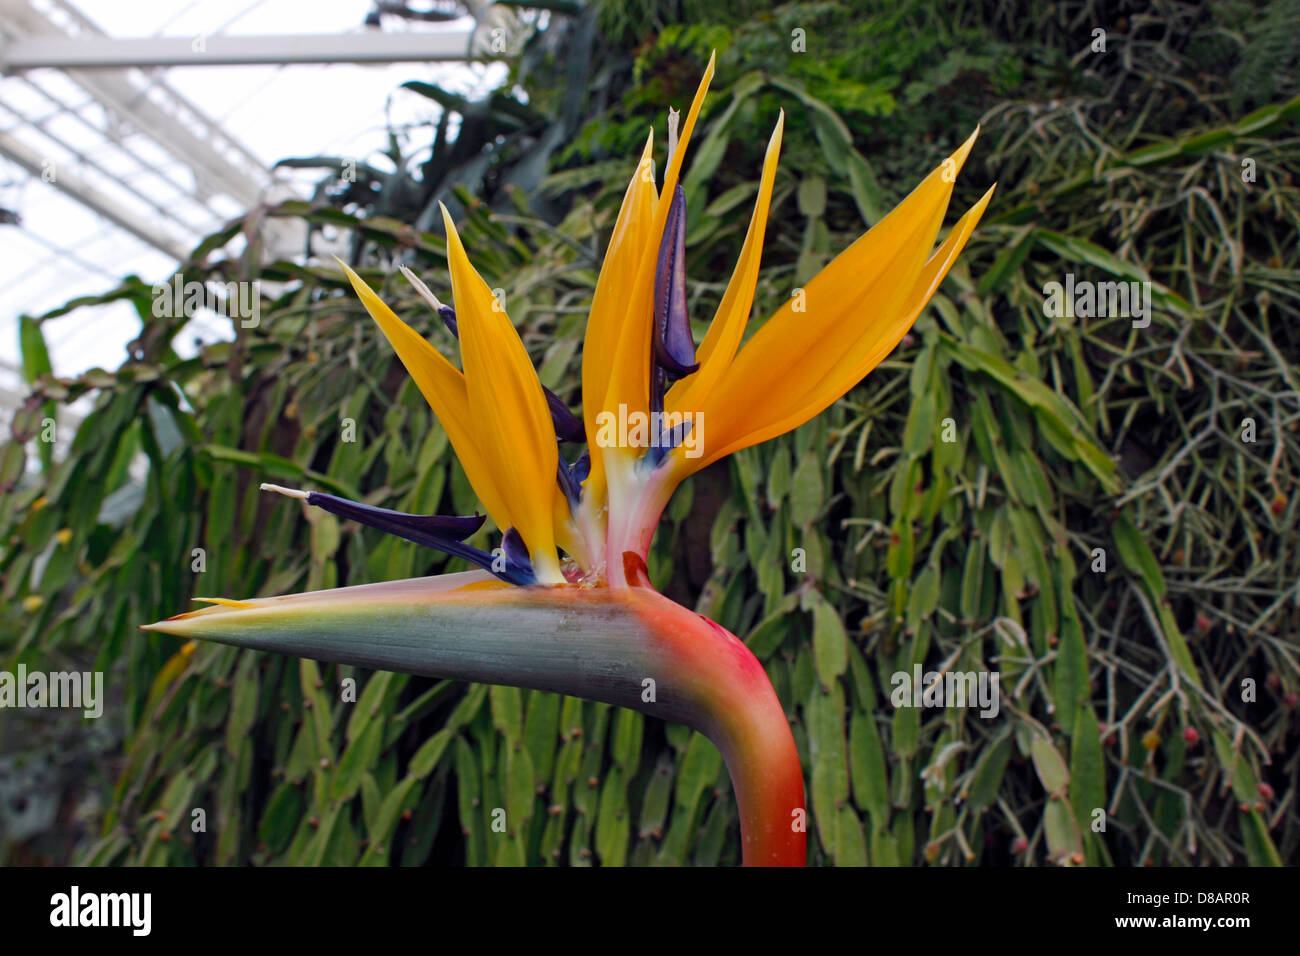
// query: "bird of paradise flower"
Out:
[589,623]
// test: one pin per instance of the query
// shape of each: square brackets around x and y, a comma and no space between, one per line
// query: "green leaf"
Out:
[1049,765]
[1087,767]
[812,197]
[830,642]
[35,355]
[806,492]
[867,769]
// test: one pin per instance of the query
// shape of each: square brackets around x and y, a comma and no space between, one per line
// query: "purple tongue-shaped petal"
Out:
[449,319]
[581,468]
[674,349]
[445,533]
[570,478]
[512,542]
[433,530]
[666,441]
[572,489]
[568,427]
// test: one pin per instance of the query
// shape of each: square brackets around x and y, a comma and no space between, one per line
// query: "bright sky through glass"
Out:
[62,249]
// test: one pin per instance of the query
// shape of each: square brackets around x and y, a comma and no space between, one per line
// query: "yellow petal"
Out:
[728,326]
[866,353]
[509,406]
[443,387]
[609,305]
[878,346]
[932,276]
[855,309]
[629,382]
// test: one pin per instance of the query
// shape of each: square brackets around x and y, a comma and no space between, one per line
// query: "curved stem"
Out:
[763,761]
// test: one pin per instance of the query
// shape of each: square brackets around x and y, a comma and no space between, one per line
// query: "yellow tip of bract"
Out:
[958,159]
[486,586]
[509,407]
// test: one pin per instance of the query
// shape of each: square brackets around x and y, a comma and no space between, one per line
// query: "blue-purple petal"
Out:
[666,441]
[512,542]
[568,427]
[417,528]
[674,347]
[449,319]
[444,533]
[572,488]
[581,468]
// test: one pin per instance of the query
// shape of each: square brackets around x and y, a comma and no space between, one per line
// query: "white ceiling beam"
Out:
[102,52]
[218,162]
[67,181]
[122,180]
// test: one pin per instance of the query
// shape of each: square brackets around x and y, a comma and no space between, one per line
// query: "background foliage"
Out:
[1122,687]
